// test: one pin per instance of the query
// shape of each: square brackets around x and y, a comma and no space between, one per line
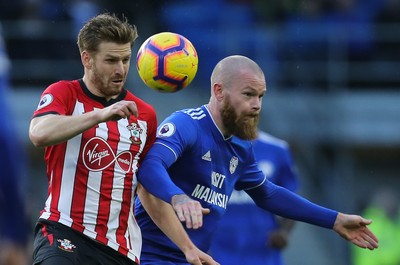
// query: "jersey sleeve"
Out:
[290,205]
[177,133]
[174,135]
[55,100]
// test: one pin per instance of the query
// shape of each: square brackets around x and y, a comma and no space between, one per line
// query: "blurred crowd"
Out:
[14,220]
[303,44]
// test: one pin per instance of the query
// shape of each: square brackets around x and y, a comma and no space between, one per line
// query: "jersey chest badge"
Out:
[233,164]
[135,132]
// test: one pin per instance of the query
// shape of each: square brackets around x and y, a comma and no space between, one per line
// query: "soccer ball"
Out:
[167,62]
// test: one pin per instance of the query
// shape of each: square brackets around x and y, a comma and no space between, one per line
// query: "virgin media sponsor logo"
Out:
[97,155]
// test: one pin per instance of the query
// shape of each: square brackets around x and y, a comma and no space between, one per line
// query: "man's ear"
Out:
[218,91]
[86,59]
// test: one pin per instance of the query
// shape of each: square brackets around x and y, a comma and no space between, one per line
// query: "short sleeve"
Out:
[55,99]
[177,132]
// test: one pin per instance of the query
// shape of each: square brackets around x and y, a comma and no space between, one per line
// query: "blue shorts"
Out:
[55,243]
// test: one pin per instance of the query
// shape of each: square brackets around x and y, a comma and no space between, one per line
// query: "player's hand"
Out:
[189,210]
[197,257]
[278,239]
[120,110]
[354,228]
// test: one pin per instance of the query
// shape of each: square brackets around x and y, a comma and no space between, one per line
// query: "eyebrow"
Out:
[253,90]
[110,56]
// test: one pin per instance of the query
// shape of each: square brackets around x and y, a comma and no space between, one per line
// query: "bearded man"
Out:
[202,154]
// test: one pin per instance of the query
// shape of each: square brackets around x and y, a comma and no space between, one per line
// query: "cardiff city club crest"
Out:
[66,245]
[135,132]
[233,164]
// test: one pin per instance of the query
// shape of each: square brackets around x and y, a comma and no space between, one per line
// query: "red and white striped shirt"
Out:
[92,176]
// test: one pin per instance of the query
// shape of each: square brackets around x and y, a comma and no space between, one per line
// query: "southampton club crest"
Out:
[66,245]
[135,132]
[233,164]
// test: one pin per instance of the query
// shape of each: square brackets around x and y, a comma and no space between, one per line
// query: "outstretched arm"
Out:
[163,215]
[354,229]
[291,205]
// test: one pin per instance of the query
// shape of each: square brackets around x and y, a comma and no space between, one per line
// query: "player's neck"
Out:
[90,86]
[216,116]
[92,89]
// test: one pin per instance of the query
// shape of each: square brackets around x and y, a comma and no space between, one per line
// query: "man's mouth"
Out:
[117,81]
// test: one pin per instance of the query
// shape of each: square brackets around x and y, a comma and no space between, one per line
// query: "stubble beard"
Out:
[102,85]
[243,127]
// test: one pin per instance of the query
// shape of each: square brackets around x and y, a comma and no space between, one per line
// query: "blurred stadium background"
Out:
[333,77]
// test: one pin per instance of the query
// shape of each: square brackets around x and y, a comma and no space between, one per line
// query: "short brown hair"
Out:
[105,28]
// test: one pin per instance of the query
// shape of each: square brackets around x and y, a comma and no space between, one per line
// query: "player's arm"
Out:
[52,129]
[165,218]
[291,205]
[153,175]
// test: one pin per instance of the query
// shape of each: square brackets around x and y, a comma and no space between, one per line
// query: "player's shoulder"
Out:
[186,121]
[63,88]
[268,139]
[189,115]
[195,113]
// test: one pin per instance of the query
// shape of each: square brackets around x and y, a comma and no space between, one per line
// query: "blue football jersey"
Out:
[207,167]
[192,156]
[237,244]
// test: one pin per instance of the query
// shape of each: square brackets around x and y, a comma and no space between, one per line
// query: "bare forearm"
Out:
[53,129]
[163,215]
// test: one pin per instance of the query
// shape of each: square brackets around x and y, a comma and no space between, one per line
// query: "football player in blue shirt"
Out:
[202,154]
[265,235]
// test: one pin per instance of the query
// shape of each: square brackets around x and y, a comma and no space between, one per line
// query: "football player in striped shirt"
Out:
[95,133]
[202,154]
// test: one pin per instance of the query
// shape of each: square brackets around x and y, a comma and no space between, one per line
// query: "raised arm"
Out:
[52,129]
[163,215]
